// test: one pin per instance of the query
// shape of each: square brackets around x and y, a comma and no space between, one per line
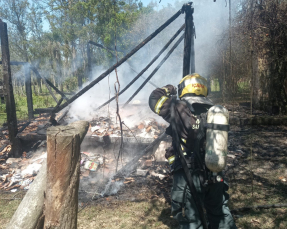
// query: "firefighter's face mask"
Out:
[193,84]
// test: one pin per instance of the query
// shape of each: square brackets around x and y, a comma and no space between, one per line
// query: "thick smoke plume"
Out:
[211,19]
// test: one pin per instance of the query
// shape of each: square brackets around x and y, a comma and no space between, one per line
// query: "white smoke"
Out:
[211,19]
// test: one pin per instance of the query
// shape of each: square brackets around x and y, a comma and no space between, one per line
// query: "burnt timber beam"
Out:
[188,55]
[48,82]
[120,62]
[150,63]
[43,110]
[134,162]
[15,63]
[45,82]
[156,69]
[8,92]
[110,51]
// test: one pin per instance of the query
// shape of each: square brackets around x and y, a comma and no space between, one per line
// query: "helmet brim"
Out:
[198,99]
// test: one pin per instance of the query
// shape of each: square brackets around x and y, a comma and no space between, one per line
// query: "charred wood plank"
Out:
[102,76]
[31,137]
[143,71]
[130,166]
[48,82]
[110,51]
[23,127]
[45,82]
[43,110]
[16,63]
[156,69]
[188,56]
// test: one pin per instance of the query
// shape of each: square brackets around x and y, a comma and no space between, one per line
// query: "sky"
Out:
[146,2]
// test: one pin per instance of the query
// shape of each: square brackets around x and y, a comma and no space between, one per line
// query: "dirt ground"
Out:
[256,172]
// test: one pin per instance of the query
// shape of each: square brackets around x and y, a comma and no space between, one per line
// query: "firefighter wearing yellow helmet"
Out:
[192,105]
[194,86]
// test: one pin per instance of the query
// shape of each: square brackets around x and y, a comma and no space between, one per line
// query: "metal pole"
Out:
[189,57]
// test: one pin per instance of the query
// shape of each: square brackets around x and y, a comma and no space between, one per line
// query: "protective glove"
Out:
[170,89]
[169,152]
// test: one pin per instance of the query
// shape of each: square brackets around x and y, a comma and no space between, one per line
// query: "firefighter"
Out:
[192,91]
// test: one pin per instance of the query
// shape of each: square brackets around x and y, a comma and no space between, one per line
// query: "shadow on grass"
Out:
[165,218]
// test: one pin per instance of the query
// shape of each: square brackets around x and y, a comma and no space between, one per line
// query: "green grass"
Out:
[243,87]
[9,203]
[42,100]
[127,214]
[215,85]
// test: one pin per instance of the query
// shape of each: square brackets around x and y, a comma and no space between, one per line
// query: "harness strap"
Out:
[185,167]
[217,126]
[183,203]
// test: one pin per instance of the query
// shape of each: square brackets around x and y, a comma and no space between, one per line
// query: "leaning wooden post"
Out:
[189,55]
[29,91]
[63,175]
[8,92]
[29,214]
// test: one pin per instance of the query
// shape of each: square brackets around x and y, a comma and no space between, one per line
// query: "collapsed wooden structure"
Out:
[64,141]
[188,66]
[69,137]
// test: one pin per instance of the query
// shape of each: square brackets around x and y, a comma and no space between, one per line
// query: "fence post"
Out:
[8,92]
[189,55]
[29,91]
[63,174]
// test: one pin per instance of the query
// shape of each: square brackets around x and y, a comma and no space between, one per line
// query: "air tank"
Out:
[216,138]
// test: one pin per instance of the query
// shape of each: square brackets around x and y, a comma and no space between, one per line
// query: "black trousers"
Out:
[214,198]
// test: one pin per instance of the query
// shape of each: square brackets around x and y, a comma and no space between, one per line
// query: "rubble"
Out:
[141,172]
[19,173]
[97,165]
[137,123]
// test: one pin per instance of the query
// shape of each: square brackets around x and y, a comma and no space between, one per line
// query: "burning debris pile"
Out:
[99,157]
[97,171]
[104,126]
[139,124]
[19,173]
[99,176]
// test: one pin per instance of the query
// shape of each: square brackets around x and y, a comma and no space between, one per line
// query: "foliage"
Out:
[258,53]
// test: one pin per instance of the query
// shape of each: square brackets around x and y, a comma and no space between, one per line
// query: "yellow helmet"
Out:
[192,84]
